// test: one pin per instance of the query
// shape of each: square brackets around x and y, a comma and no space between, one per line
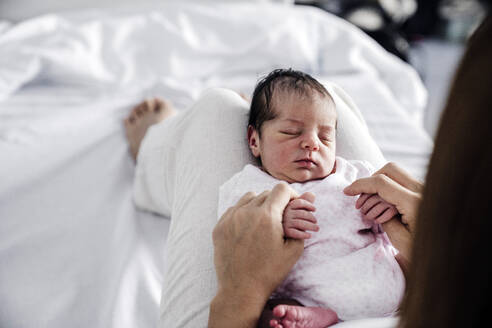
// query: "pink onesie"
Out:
[348,265]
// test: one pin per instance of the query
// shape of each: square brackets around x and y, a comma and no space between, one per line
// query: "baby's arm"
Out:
[298,217]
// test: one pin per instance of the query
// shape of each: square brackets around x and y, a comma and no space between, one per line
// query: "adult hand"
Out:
[251,256]
[396,187]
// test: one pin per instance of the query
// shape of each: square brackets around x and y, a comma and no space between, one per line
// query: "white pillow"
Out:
[181,165]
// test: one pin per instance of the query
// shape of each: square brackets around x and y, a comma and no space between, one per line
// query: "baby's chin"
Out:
[304,176]
[300,175]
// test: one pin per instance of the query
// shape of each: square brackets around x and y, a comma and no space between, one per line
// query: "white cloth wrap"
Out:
[348,265]
[181,165]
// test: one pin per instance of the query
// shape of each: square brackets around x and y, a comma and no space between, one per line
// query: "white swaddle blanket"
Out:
[347,266]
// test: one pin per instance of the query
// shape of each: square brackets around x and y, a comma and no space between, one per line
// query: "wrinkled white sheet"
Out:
[74,252]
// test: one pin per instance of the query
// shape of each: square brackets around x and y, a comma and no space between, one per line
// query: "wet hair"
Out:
[449,282]
[280,80]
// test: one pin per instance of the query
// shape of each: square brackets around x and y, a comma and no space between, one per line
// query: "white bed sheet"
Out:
[73,249]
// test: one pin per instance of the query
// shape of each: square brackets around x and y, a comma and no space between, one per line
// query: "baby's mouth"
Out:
[306,162]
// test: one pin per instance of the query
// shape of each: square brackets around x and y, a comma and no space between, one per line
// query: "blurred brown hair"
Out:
[449,279]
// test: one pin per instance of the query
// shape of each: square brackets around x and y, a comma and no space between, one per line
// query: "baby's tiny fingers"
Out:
[309,196]
[370,203]
[377,210]
[304,225]
[297,234]
[387,215]
[302,204]
[361,200]
[302,214]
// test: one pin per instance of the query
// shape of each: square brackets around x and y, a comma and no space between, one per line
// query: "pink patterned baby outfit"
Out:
[348,265]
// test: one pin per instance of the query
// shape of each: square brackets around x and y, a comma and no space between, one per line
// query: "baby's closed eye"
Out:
[290,132]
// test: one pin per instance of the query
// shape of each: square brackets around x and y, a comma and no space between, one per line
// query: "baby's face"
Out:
[299,144]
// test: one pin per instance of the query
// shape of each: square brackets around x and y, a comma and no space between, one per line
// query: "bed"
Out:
[74,250]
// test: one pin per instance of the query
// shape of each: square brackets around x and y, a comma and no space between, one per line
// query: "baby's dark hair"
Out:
[284,80]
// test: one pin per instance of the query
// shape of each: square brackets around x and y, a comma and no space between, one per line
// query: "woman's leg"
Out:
[148,128]
[181,163]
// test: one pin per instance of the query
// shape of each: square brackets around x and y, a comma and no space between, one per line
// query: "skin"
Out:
[246,273]
[299,143]
[298,217]
[243,228]
[396,187]
[142,116]
[251,256]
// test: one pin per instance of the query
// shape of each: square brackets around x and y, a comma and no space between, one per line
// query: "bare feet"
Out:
[293,316]
[142,116]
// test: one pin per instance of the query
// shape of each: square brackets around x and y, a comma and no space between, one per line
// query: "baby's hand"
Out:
[375,208]
[298,217]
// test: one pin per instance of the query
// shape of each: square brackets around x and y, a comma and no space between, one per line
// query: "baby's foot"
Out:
[142,116]
[292,316]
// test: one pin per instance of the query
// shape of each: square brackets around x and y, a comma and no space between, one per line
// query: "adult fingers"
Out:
[370,203]
[389,190]
[400,237]
[278,199]
[302,204]
[260,199]
[401,176]
[218,229]
[245,199]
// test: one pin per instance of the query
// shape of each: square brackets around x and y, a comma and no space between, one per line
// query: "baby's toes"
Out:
[279,311]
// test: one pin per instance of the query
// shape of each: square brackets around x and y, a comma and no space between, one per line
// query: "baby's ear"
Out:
[254,141]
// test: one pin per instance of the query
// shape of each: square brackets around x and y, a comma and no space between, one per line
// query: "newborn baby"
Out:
[348,270]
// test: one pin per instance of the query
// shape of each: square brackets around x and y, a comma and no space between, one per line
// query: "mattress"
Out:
[74,250]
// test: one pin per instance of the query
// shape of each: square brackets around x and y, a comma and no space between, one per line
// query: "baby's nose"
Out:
[310,142]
